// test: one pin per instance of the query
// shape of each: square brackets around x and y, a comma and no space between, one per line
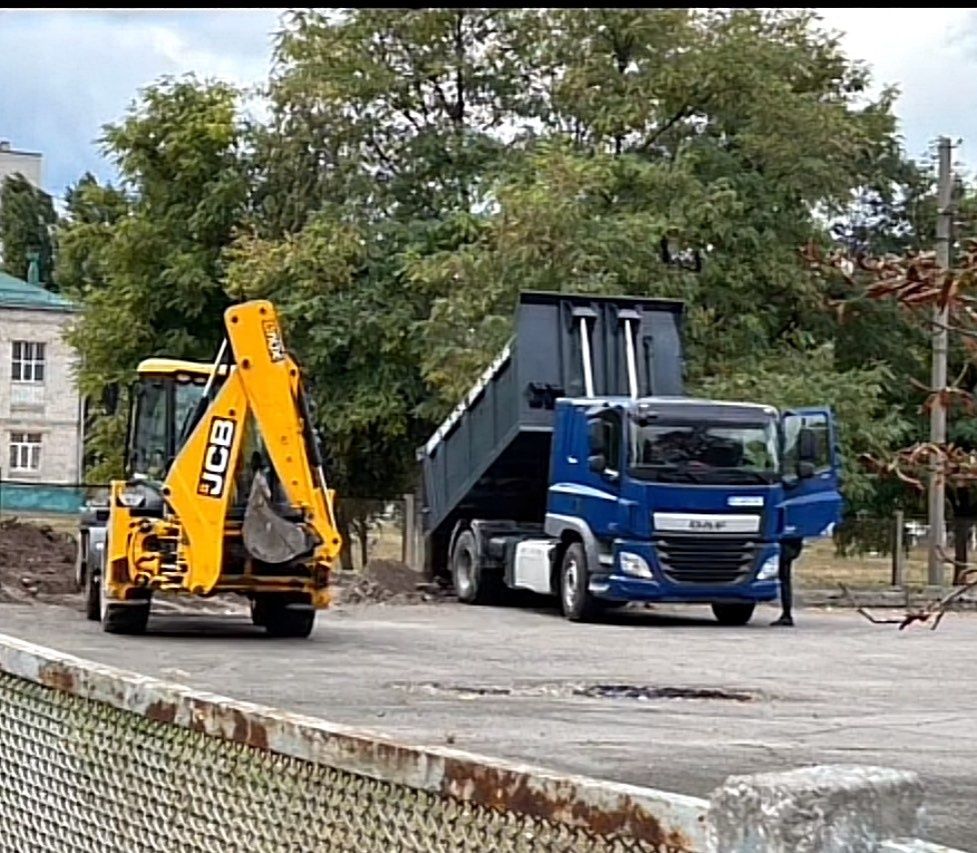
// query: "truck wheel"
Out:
[733,614]
[284,615]
[471,585]
[575,599]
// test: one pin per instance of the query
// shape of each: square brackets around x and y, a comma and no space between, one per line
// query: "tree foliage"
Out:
[682,153]
[146,261]
[419,167]
[27,220]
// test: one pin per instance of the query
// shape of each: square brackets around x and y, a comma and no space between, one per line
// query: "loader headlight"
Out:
[131,498]
[634,565]
[770,569]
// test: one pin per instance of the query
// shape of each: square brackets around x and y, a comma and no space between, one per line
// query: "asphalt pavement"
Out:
[667,699]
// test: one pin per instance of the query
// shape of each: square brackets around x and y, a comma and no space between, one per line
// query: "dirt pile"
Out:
[36,562]
[385,582]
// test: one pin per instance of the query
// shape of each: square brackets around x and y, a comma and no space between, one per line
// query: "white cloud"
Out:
[931,56]
[66,74]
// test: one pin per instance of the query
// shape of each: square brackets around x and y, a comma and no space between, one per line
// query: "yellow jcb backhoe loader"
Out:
[224,489]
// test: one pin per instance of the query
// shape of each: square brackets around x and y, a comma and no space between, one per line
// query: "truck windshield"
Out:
[718,453]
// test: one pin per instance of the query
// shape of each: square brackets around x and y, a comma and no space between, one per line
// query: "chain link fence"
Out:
[193,772]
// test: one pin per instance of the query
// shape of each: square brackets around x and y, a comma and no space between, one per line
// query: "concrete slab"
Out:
[603,700]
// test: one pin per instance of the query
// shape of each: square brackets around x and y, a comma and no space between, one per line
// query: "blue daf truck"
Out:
[575,467]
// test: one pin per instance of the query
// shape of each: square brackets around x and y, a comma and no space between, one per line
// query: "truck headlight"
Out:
[635,565]
[770,569]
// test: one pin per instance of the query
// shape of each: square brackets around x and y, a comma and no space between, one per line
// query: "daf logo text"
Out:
[702,524]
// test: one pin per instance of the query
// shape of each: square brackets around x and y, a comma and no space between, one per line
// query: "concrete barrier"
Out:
[834,809]
[89,753]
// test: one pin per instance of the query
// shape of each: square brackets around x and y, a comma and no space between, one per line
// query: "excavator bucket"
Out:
[267,536]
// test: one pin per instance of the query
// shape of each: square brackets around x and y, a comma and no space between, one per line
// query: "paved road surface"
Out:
[502,680]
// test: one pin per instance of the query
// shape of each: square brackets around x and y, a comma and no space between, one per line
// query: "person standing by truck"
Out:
[789,552]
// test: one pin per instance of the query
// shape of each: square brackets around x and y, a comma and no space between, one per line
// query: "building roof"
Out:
[17,293]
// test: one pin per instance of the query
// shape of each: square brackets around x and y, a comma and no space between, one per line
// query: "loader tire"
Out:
[126,618]
[93,606]
[284,616]
[130,617]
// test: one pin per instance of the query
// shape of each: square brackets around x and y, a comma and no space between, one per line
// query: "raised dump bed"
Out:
[490,458]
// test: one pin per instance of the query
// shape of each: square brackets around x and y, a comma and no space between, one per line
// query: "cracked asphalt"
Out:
[595,699]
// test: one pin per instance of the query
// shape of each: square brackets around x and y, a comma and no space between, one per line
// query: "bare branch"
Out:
[873,619]
[668,125]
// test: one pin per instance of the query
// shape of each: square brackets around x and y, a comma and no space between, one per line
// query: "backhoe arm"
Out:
[263,382]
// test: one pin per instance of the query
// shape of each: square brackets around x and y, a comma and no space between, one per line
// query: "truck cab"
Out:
[683,500]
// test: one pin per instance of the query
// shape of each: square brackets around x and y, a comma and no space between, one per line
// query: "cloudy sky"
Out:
[63,74]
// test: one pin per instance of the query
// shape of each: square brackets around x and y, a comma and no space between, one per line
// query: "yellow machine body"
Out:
[197,544]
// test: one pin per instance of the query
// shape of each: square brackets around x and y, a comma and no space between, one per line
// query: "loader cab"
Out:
[162,404]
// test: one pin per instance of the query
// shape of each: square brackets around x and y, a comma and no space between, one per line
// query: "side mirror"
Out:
[807,445]
[805,470]
[597,463]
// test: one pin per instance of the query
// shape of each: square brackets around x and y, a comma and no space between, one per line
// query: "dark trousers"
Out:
[789,551]
[786,590]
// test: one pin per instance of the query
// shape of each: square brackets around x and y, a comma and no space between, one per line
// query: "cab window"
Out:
[819,428]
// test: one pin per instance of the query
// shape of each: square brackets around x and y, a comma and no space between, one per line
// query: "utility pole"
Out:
[937,482]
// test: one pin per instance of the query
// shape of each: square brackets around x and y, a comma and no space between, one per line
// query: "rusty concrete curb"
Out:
[671,822]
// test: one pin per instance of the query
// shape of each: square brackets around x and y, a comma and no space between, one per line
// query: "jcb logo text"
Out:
[273,339]
[217,457]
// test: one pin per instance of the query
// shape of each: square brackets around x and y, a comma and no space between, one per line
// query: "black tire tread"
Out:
[487,586]
[733,613]
[281,620]
[126,618]
[586,608]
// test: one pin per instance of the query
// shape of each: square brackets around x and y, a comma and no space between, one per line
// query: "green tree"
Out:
[92,214]
[395,112]
[146,261]
[700,150]
[27,221]
[383,132]
[868,424]
[349,320]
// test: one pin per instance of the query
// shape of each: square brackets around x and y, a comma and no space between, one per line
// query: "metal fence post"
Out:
[410,525]
[898,558]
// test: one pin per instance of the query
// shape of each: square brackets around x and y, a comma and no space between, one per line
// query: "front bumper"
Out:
[614,584]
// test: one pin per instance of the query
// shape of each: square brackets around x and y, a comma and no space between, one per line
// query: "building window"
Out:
[25,451]
[28,361]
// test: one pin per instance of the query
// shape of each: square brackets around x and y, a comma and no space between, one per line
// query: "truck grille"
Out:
[708,559]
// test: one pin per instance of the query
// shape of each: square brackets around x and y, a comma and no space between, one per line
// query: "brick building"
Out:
[41,424]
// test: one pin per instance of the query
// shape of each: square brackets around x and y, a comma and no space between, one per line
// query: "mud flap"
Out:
[267,536]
